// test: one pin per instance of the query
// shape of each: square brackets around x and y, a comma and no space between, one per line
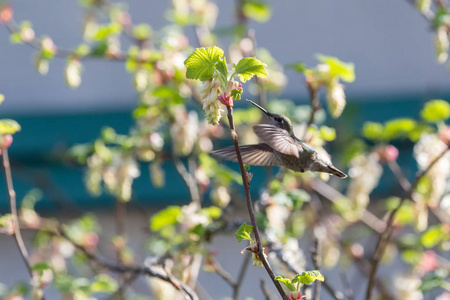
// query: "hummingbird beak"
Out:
[265,111]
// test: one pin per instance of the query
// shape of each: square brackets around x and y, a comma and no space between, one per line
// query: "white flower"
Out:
[211,105]
[425,152]
[365,172]
[441,44]
[335,98]
[408,287]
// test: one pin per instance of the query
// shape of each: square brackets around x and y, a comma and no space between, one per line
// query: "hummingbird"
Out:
[279,147]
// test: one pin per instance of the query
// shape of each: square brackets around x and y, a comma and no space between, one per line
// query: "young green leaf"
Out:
[346,71]
[8,126]
[286,282]
[436,110]
[249,67]
[308,277]
[243,233]
[166,217]
[201,63]
[257,10]
[222,72]
[372,130]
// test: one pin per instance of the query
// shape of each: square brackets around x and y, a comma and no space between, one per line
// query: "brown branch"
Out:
[132,270]
[13,205]
[384,238]
[240,279]
[315,104]
[260,250]
[188,179]
[317,261]
[265,290]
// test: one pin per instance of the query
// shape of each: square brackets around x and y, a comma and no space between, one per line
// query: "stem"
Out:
[240,279]
[246,183]
[315,104]
[385,237]
[13,205]
[317,261]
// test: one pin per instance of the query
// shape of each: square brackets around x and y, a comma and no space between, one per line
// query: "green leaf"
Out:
[212,211]
[40,267]
[433,281]
[327,133]
[286,282]
[201,63]
[7,224]
[308,277]
[168,216]
[104,284]
[346,71]
[297,67]
[372,130]
[398,128]
[435,111]
[249,67]
[2,98]
[142,31]
[222,72]
[8,126]
[257,10]
[243,233]
[433,236]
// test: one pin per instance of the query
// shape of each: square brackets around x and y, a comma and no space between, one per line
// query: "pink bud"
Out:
[6,13]
[237,85]
[387,153]
[226,100]
[5,141]
[249,177]
[444,135]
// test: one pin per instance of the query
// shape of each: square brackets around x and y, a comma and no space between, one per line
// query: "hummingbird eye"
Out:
[278,119]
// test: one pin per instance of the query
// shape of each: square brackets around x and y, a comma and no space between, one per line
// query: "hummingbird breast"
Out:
[301,164]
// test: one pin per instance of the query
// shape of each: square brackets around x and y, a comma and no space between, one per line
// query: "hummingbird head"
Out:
[278,120]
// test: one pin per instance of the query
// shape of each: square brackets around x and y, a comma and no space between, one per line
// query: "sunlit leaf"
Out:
[168,216]
[286,282]
[372,130]
[346,71]
[201,63]
[327,133]
[8,126]
[435,111]
[257,10]
[308,277]
[243,233]
[398,128]
[103,283]
[249,67]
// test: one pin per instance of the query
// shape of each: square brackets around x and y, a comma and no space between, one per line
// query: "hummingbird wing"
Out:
[256,155]
[278,138]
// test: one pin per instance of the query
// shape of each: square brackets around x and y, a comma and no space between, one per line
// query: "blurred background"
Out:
[390,43]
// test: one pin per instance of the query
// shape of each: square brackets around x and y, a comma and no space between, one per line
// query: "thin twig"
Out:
[265,290]
[240,279]
[317,261]
[246,183]
[347,288]
[13,205]
[384,238]
[315,104]
[188,179]
[124,269]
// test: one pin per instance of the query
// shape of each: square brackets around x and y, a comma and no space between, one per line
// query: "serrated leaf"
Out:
[249,67]
[435,111]
[201,63]
[222,72]
[168,216]
[286,282]
[243,233]
[346,71]
[308,277]
[8,126]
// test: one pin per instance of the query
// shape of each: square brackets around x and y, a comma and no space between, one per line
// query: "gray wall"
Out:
[390,43]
